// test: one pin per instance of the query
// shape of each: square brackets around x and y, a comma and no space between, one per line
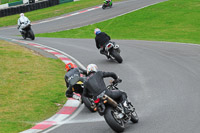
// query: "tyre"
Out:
[117,56]
[111,5]
[134,117]
[104,6]
[116,124]
[23,35]
[32,36]
[87,103]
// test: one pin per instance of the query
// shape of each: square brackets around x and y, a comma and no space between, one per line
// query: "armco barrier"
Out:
[26,8]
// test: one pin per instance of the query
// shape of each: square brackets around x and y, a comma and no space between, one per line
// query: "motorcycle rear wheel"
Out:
[117,56]
[116,124]
[111,5]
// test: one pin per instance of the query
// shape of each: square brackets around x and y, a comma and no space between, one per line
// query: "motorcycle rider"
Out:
[95,85]
[108,1]
[101,40]
[72,76]
[23,20]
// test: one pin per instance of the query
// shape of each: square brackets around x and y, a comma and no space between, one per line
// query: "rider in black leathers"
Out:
[95,84]
[101,40]
[71,78]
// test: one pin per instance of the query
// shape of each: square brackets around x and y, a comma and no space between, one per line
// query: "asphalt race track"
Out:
[161,78]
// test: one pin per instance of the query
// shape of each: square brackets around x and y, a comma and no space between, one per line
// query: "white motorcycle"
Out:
[113,52]
[27,32]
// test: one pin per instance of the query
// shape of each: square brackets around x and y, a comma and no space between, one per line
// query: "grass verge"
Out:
[173,20]
[32,87]
[51,11]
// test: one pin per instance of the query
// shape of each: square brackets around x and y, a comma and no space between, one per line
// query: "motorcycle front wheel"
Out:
[134,117]
[104,6]
[32,36]
[116,124]
[24,36]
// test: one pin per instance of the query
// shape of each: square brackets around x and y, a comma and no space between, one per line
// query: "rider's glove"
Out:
[118,80]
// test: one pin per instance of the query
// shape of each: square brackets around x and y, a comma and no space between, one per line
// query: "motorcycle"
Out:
[107,4]
[27,32]
[113,52]
[113,111]
[78,88]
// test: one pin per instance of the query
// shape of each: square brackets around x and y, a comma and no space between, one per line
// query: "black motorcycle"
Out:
[114,112]
[112,51]
[27,32]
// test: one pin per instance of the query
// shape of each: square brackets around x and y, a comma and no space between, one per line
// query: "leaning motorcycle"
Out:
[27,32]
[107,4]
[113,51]
[113,112]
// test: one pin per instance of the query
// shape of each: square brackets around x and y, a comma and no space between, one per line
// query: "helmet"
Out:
[97,31]
[91,68]
[21,14]
[69,66]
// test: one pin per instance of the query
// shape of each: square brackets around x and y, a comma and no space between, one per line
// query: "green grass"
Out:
[51,11]
[174,20]
[31,87]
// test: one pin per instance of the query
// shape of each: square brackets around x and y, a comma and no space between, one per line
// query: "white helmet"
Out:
[91,68]
[21,14]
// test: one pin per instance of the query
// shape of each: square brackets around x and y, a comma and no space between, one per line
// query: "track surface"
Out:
[162,79]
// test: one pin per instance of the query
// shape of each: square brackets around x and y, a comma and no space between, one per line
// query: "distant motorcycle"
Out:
[113,111]
[107,4]
[113,51]
[27,32]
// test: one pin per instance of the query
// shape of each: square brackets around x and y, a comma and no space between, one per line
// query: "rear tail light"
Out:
[109,45]
[97,100]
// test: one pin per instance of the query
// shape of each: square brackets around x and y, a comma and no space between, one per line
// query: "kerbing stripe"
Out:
[64,58]
[44,125]
[55,53]
[67,110]
[67,61]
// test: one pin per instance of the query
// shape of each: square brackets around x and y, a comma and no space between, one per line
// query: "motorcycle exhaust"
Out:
[110,101]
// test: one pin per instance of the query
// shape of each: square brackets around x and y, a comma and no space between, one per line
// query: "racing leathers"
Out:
[71,78]
[101,40]
[95,85]
[22,22]
[108,1]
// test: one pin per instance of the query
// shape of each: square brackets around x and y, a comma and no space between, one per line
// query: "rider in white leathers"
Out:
[22,22]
